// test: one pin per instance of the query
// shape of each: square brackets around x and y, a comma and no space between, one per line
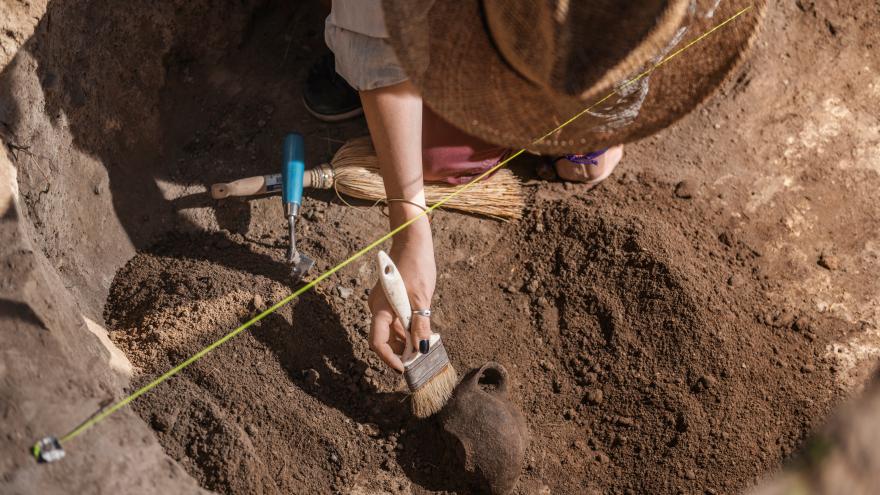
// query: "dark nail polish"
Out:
[424,346]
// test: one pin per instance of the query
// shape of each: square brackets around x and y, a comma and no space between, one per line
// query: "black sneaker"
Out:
[327,96]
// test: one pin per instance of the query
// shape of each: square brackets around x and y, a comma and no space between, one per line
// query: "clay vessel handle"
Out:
[494,374]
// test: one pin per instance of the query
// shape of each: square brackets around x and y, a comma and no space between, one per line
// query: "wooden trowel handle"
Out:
[268,184]
[250,186]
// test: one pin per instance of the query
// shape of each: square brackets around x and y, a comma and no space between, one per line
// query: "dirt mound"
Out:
[668,368]
[642,357]
[267,411]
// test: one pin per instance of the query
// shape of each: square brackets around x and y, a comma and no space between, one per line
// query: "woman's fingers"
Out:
[420,328]
[398,335]
[380,333]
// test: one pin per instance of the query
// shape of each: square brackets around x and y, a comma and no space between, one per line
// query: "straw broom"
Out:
[354,172]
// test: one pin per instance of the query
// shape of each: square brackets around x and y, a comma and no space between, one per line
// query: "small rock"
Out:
[569,414]
[802,324]
[163,422]
[808,368]
[511,288]
[568,186]
[533,286]
[97,189]
[539,228]
[734,281]
[334,458]
[257,302]
[625,421]
[784,319]
[311,376]
[590,378]
[705,382]
[684,189]
[829,261]
[251,430]
[601,458]
[690,474]
[595,396]
[681,423]
[810,336]
[543,301]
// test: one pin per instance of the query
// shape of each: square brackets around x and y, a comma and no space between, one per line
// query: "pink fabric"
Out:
[450,155]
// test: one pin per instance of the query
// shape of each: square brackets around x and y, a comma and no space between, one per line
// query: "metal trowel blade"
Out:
[300,267]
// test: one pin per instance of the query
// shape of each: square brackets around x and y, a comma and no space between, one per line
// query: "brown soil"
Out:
[680,329]
[646,357]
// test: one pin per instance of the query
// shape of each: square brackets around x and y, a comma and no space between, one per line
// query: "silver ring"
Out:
[422,312]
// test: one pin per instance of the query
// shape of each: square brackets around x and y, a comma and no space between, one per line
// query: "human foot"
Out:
[590,168]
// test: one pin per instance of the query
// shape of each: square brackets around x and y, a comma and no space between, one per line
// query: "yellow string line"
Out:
[195,357]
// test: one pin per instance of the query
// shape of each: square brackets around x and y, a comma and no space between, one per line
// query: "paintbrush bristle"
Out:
[433,395]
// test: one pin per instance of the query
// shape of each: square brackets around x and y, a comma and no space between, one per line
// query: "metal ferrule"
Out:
[426,366]
[321,176]
[291,209]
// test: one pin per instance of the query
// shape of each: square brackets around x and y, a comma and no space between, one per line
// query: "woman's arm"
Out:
[394,116]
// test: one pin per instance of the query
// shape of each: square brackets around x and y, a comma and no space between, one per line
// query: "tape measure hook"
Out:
[48,450]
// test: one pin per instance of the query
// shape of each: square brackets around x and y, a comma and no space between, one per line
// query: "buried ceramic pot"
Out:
[490,430]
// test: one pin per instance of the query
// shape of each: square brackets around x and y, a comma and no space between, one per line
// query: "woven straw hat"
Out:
[509,71]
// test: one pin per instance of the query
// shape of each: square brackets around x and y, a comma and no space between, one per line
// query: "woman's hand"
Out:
[413,254]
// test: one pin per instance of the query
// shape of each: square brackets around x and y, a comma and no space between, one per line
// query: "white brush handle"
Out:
[395,292]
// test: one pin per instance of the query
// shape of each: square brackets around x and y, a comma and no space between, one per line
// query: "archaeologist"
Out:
[450,87]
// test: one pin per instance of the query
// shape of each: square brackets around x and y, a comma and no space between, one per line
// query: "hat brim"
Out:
[467,82]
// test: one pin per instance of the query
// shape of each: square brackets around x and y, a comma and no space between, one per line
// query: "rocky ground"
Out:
[680,329]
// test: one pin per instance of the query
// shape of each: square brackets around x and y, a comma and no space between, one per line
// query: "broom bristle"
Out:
[356,174]
[432,396]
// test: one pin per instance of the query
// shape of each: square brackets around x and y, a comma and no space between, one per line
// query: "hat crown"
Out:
[571,46]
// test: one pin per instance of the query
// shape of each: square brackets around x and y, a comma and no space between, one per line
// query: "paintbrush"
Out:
[430,377]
